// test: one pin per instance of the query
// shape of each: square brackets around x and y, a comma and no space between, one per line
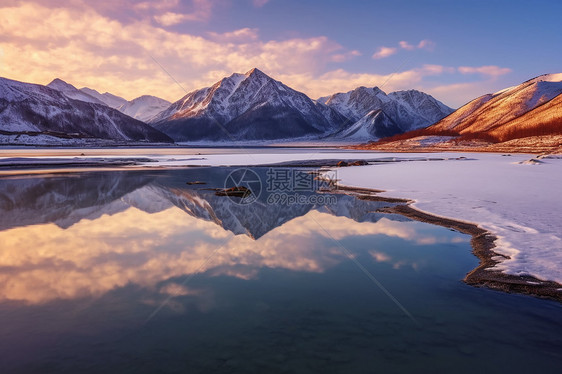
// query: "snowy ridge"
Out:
[110,100]
[144,108]
[374,125]
[72,92]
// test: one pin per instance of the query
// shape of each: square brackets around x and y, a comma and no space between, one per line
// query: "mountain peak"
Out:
[556,77]
[72,92]
[60,85]
[255,72]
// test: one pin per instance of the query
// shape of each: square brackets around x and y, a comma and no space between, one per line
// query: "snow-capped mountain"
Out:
[428,109]
[394,113]
[144,108]
[108,99]
[249,106]
[493,113]
[72,92]
[34,110]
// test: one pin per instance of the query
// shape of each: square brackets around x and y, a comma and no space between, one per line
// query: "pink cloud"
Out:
[384,52]
[201,11]
[345,56]
[489,70]
[260,3]
[160,5]
[407,46]
[424,44]
[244,35]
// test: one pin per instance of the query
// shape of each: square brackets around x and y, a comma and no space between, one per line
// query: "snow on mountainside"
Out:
[108,99]
[72,92]
[490,112]
[249,106]
[35,110]
[374,125]
[144,108]
[407,109]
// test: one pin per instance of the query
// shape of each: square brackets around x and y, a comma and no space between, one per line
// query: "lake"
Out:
[147,271]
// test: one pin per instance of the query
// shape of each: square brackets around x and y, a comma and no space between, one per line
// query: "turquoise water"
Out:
[137,271]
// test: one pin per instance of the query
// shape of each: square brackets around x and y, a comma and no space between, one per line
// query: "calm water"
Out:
[139,272]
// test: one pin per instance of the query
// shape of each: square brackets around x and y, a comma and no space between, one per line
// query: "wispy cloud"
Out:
[260,3]
[201,11]
[384,52]
[244,35]
[407,46]
[341,57]
[488,70]
[162,4]
[426,44]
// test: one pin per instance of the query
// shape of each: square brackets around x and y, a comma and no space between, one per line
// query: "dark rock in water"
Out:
[195,182]
[239,191]
[359,163]
[352,163]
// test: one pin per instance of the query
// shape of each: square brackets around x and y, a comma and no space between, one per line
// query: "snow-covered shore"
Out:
[519,203]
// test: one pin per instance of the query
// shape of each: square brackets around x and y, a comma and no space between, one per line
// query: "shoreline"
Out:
[482,243]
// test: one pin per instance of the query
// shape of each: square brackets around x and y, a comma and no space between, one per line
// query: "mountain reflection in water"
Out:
[85,234]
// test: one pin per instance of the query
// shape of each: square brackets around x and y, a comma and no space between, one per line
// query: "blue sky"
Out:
[454,50]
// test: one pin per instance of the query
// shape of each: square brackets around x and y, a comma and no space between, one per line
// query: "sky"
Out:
[455,50]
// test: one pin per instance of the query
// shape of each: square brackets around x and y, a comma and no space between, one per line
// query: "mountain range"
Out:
[257,108]
[239,108]
[254,106]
